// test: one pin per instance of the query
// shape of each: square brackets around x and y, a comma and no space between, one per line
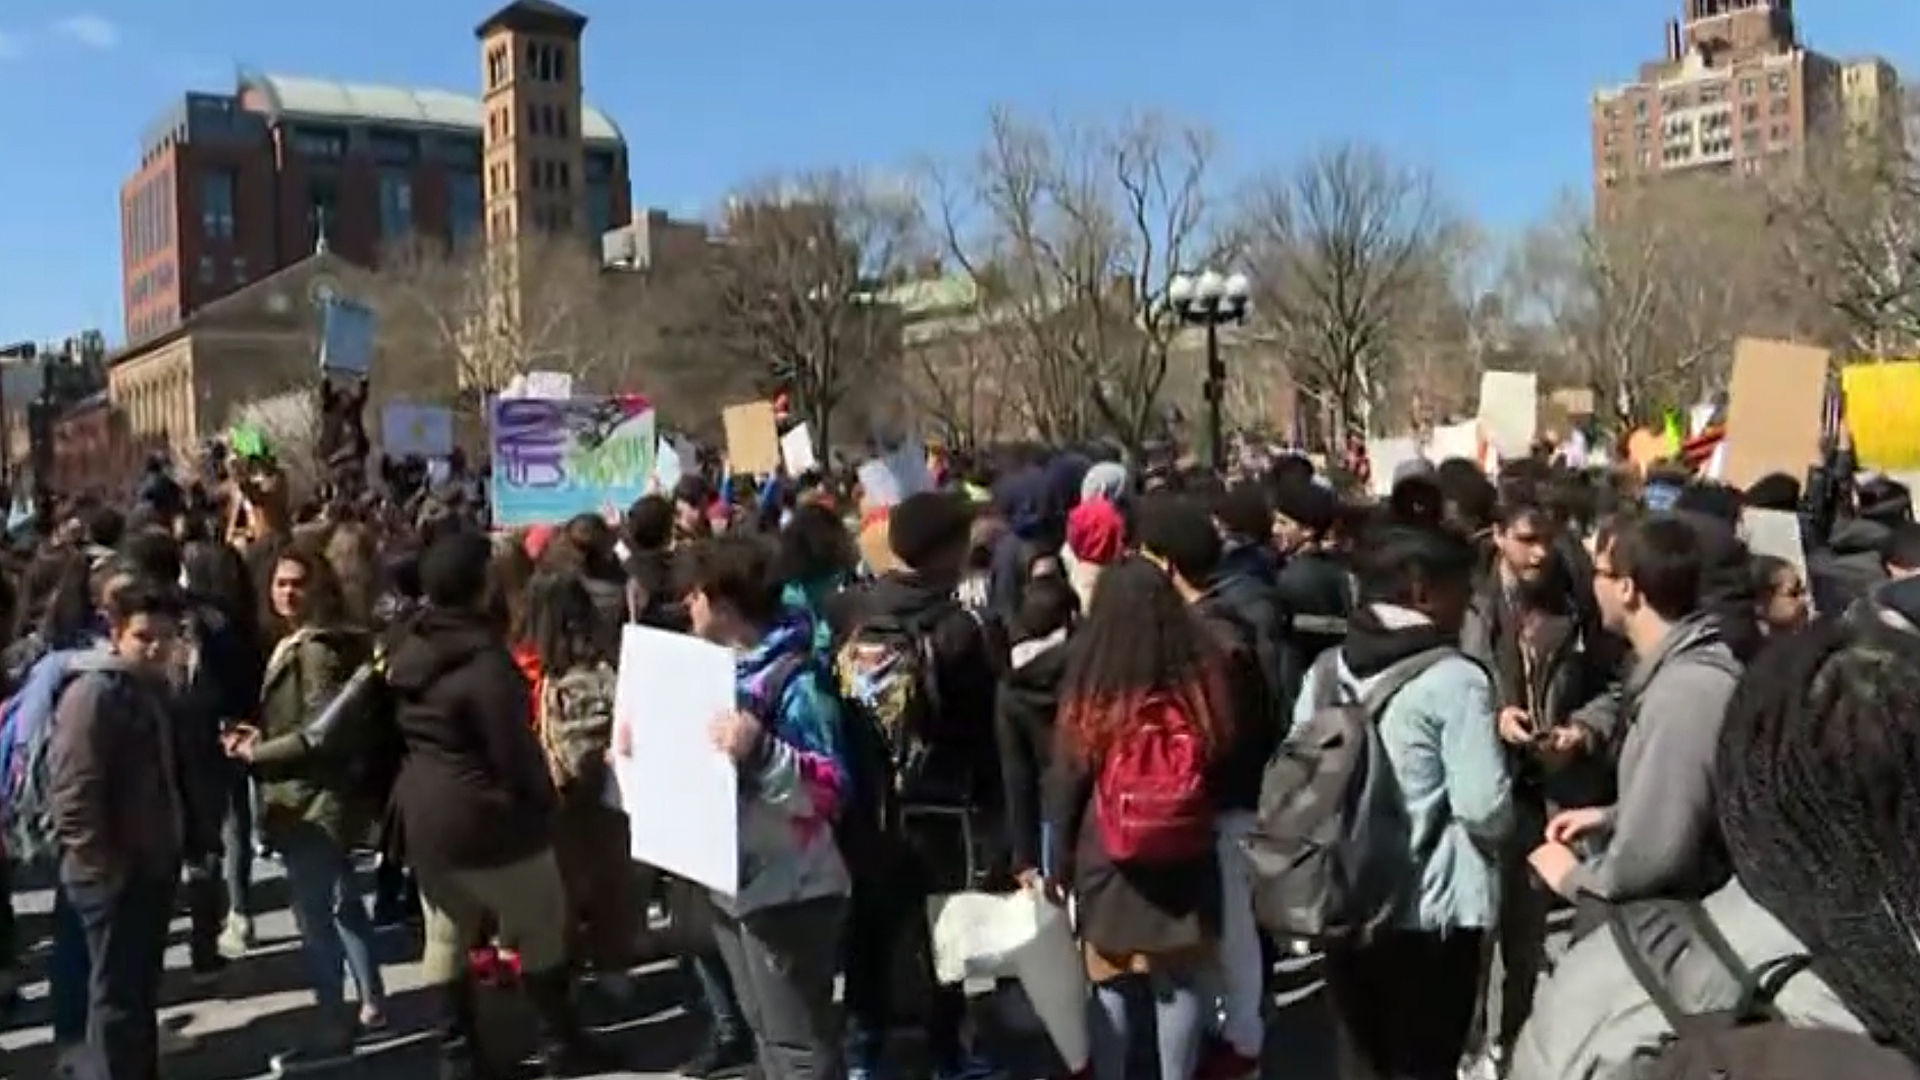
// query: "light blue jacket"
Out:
[1438,732]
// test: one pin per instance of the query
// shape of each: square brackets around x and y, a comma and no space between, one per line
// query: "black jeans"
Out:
[1407,1000]
[888,941]
[125,923]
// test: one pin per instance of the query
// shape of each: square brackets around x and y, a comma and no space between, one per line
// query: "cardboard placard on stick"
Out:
[1775,404]
[753,438]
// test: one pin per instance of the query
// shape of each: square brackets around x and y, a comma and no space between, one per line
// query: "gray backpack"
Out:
[1330,844]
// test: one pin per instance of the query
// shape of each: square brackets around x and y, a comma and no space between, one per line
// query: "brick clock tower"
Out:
[533,154]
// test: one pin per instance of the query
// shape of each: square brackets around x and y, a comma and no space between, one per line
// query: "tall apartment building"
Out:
[1735,93]
[234,186]
[1873,102]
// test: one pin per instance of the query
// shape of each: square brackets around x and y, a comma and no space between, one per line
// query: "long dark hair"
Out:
[563,624]
[1139,642]
[1819,780]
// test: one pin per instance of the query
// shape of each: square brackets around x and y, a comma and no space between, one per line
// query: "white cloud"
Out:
[12,46]
[90,30]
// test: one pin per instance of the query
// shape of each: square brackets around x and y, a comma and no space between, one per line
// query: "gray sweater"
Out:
[1660,837]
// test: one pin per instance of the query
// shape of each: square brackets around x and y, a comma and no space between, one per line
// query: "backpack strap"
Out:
[1331,686]
[1752,1002]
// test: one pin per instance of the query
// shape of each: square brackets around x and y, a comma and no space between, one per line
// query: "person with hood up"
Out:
[782,932]
[475,807]
[1658,839]
[1849,564]
[1034,502]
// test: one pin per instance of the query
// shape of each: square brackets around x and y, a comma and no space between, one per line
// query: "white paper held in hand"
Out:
[679,791]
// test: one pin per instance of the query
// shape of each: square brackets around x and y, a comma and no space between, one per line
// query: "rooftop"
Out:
[534,17]
[331,101]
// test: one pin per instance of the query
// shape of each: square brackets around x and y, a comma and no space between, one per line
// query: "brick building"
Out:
[234,186]
[1735,93]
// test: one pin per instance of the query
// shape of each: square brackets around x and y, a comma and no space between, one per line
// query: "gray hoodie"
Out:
[1660,837]
[1593,1016]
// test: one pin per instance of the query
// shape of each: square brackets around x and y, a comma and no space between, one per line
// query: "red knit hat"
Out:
[1096,533]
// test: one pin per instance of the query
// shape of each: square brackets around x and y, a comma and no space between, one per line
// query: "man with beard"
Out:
[1549,661]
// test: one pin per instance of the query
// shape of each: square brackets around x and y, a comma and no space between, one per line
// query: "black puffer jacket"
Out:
[473,791]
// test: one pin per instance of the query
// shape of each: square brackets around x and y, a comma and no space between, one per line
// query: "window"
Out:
[394,147]
[1746,87]
[1777,82]
[396,204]
[1749,113]
[463,205]
[323,206]
[206,269]
[217,193]
[324,144]
[600,206]
[239,269]
[496,67]
[1779,107]
[561,124]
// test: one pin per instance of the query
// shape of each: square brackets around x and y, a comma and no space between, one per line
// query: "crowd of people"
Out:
[1642,802]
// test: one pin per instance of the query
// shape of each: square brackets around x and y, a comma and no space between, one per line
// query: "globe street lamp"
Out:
[1211,300]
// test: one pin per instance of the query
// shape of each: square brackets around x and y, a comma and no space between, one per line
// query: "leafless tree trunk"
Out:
[796,279]
[1346,251]
[1074,233]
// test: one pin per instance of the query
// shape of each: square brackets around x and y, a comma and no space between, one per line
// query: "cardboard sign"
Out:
[753,438]
[1775,405]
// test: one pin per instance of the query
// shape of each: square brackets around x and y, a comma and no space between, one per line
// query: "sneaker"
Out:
[207,972]
[333,1046]
[237,938]
[971,1067]
[1220,1061]
[1481,1066]
[174,1041]
[719,1059]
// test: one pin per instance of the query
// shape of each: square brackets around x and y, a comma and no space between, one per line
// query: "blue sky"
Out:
[1488,93]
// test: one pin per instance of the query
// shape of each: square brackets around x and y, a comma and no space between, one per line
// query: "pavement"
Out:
[260,1007]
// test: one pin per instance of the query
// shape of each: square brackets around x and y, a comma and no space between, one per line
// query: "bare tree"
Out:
[957,369]
[795,283]
[460,322]
[1850,222]
[1349,254]
[1646,302]
[1074,233]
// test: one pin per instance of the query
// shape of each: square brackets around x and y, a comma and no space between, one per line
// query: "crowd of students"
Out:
[1051,674]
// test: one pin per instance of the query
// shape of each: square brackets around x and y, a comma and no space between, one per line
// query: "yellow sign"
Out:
[1880,409]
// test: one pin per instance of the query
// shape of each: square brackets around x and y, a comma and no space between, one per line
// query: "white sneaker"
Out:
[237,938]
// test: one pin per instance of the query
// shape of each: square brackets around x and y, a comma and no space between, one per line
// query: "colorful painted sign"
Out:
[555,459]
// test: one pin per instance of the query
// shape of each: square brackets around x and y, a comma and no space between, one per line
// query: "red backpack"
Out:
[1151,801]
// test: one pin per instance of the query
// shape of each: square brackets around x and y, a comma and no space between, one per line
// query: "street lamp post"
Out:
[1211,301]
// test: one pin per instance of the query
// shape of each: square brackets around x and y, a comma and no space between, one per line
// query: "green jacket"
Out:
[302,781]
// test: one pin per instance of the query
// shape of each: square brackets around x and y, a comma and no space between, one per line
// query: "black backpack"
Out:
[1330,840]
[1748,1040]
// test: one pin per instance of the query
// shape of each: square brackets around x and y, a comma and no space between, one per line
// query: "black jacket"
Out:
[1247,585]
[1024,728]
[1726,588]
[1316,589]
[1258,721]
[1849,566]
[473,791]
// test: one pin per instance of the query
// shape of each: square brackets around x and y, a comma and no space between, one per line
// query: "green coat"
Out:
[301,781]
